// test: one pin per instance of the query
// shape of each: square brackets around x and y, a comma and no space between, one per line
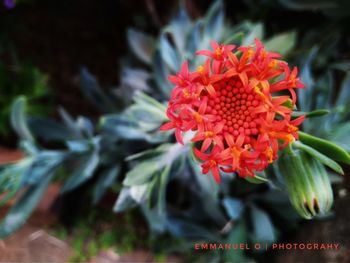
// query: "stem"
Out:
[289,149]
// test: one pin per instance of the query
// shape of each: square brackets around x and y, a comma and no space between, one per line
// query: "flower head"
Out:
[229,103]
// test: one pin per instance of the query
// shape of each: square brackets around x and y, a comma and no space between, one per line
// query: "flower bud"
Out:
[308,184]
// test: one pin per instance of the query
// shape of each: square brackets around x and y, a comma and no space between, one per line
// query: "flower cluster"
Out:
[228,102]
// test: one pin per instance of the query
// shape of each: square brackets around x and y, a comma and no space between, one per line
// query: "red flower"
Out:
[239,124]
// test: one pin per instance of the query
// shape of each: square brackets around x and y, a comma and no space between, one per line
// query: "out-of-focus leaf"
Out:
[238,235]
[324,92]
[179,27]
[341,136]
[69,122]
[148,154]
[43,163]
[104,181]
[311,114]
[50,130]
[185,229]
[256,32]
[141,173]
[282,43]
[234,207]
[161,75]
[326,147]
[125,127]
[78,146]
[169,53]
[141,44]
[256,179]
[124,201]
[87,165]
[194,39]
[139,193]
[164,177]
[319,156]
[18,119]
[157,222]
[121,126]
[135,79]
[207,184]
[20,212]
[309,4]
[86,126]
[214,20]
[11,177]
[304,95]
[344,93]
[263,227]
[94,93]
[146,100]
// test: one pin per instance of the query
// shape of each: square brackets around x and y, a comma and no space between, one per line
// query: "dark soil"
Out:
[60,37]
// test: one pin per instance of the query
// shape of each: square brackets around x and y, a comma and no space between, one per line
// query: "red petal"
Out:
[204,53]
[216,173]
[167,126]
[206,144]
[178,136]
[200,155]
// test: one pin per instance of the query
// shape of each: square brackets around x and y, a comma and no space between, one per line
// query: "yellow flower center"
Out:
[198,118]
[250,53]
[218,52]
[200,69]
[209,134]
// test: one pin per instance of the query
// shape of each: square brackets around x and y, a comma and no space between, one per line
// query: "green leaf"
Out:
[311,114]
[141,173]
[21,211]
[164,178]
[288,103]
[141,44]
[148,154]
[124,201]
[256,179]
[18,119]
[238,234]
[319,156]
[281,43]
[326,147]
